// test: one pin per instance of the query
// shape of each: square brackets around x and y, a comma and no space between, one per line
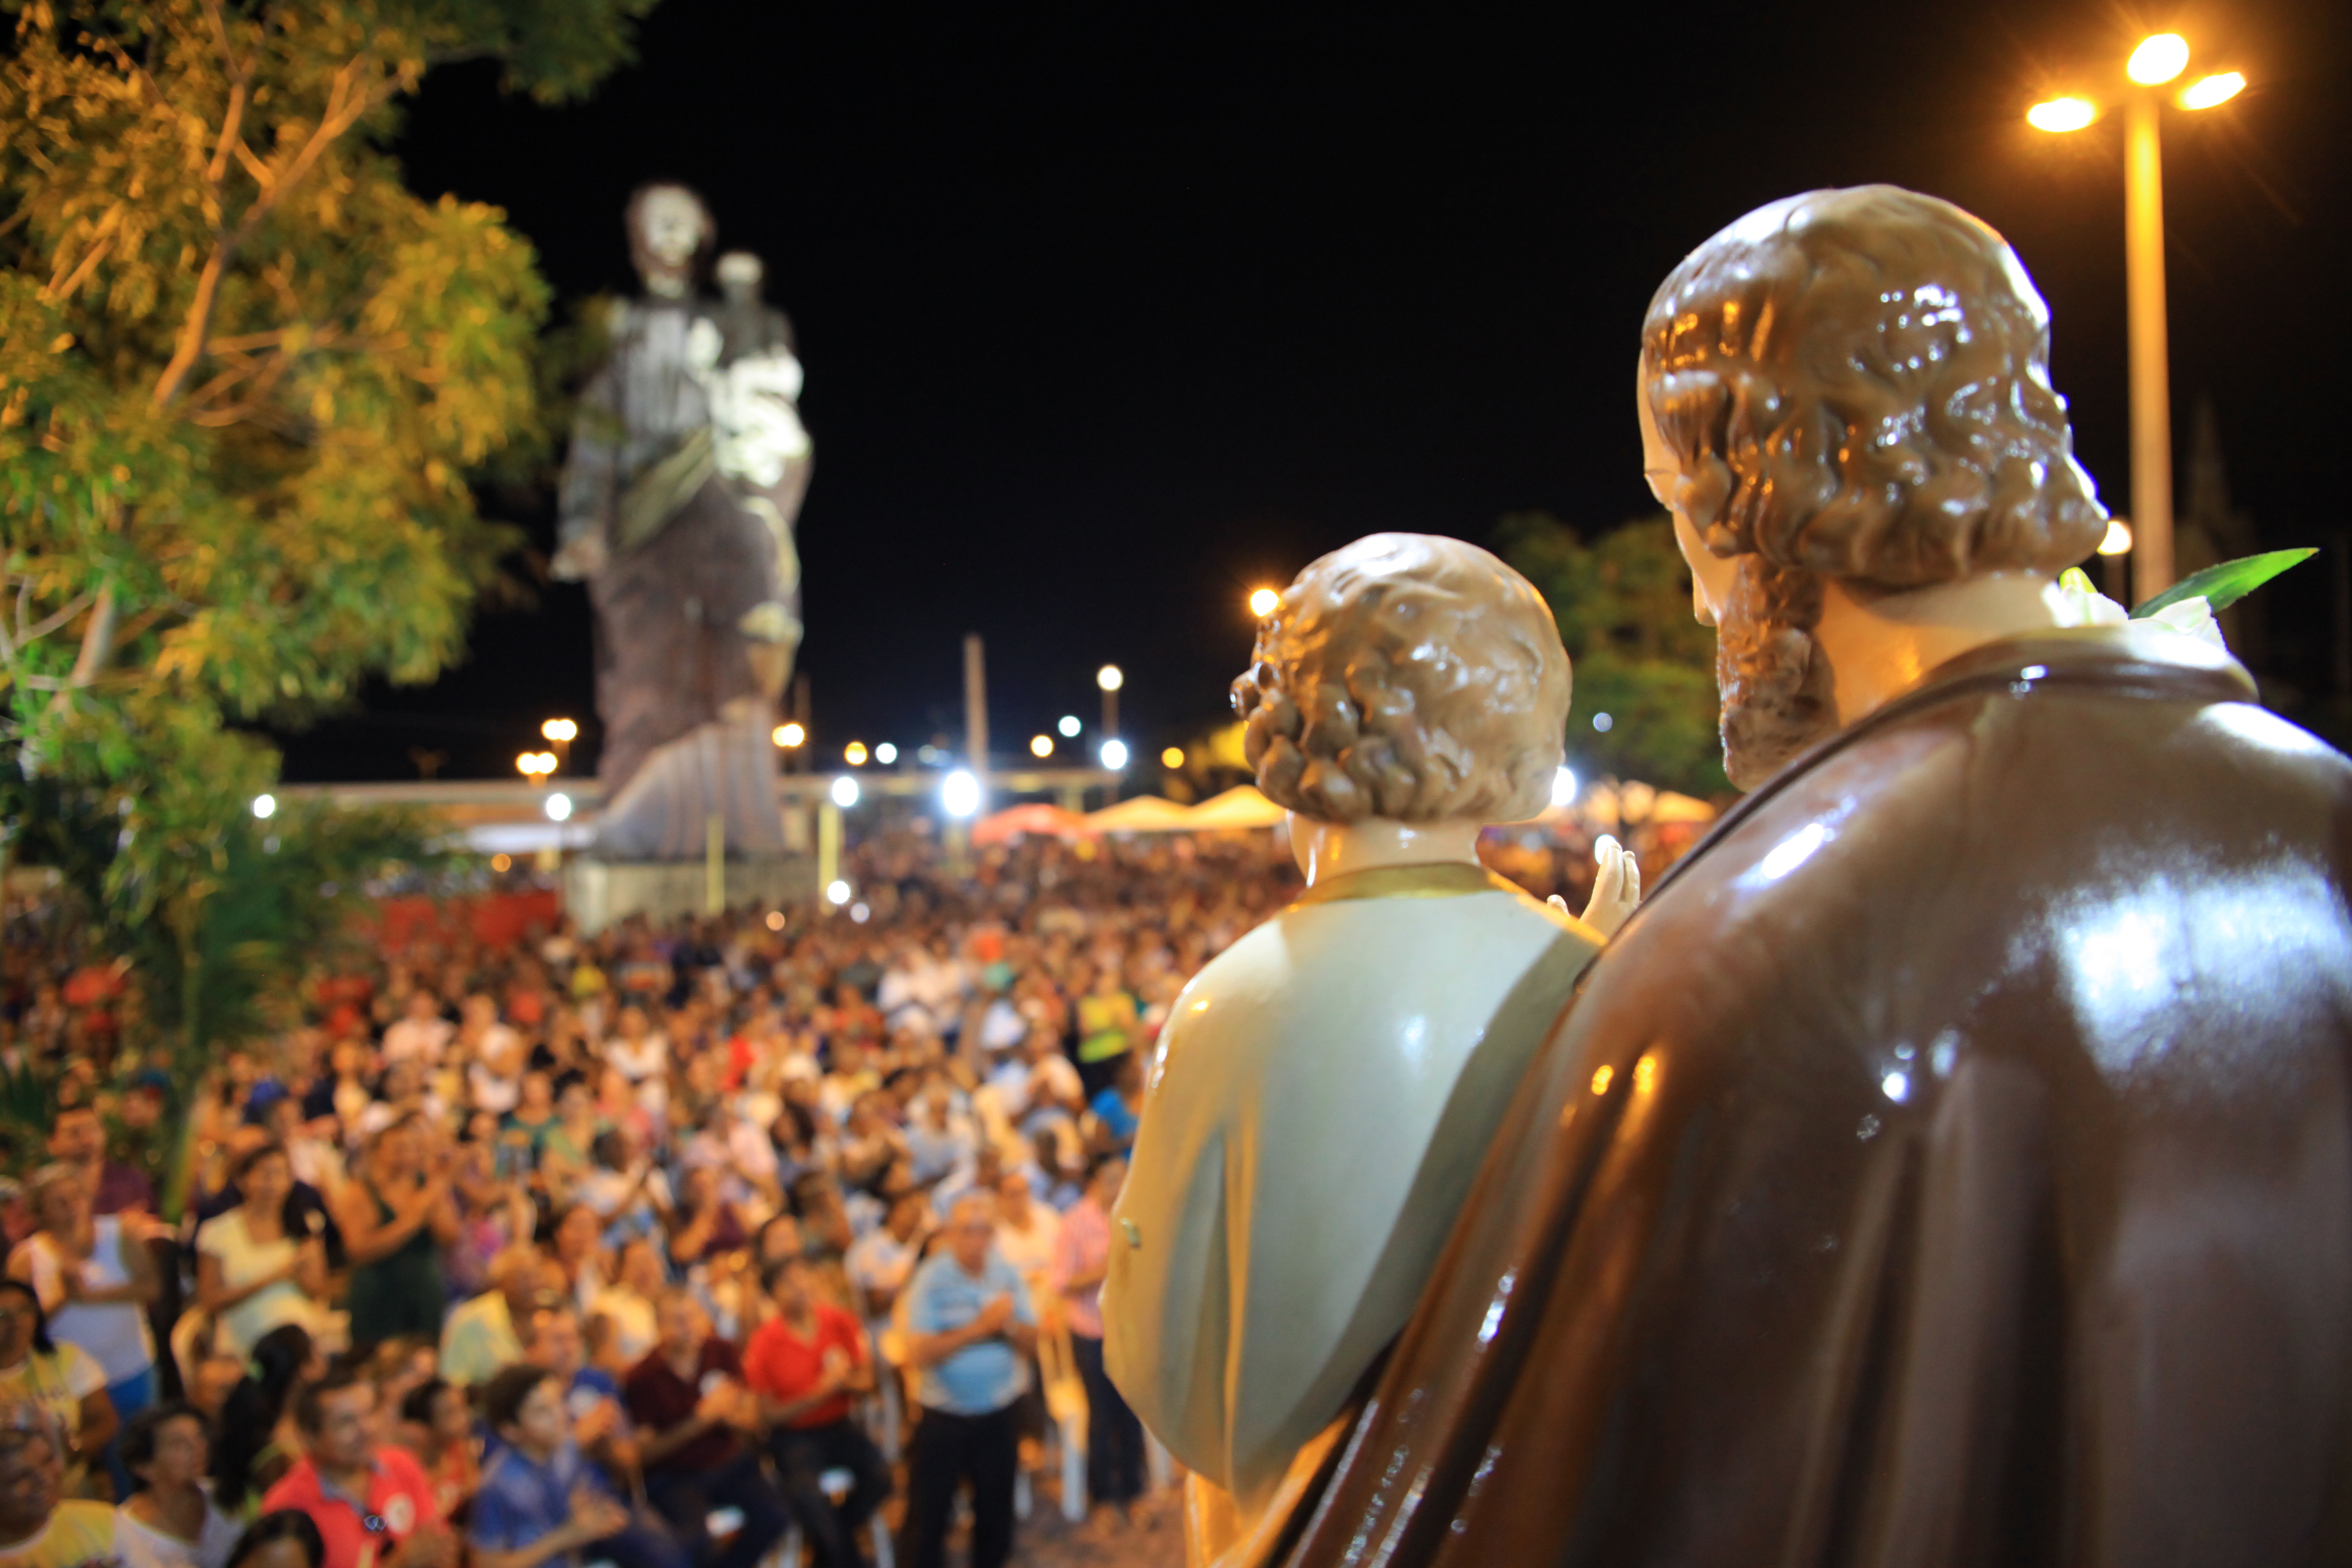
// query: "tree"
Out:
[223,959]
[245,379]
[1624,604]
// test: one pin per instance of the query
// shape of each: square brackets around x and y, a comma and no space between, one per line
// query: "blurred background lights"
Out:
[1264,603]
[560,730]
[1109,678]
[1173,757]
[1041,745]
[960,794]
[837,892]
[844,792]
[1069,726]
[2118,541]
[2063,114]
[854,753]
[559,809]
[265,807]
[860,913]
[885,754]
[775,919]
[1563,787]
[2207,91]
[790,735]
[1604,722]
[2157,59]
[1114,755]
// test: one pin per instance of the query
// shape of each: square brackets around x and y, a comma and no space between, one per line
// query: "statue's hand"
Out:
[579,557]
[1616,886]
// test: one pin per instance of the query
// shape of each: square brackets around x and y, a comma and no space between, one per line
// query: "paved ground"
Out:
[1155,1539]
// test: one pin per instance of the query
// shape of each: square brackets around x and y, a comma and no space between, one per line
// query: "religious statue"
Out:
[686,472]
[1951,1160]
[1325,1089]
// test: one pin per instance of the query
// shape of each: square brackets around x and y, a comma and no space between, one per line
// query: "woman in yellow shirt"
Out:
[64,1382]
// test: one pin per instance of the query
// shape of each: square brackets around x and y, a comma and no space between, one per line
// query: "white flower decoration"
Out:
[2192,617]
[2077,603]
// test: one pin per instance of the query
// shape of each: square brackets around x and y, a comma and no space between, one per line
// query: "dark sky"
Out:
[1109,317]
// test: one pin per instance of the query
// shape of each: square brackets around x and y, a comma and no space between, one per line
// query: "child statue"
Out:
[1325,1089]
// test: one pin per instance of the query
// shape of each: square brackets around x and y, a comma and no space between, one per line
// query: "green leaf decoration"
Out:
[2223,586]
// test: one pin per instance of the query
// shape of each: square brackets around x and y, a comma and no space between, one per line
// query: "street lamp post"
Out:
[2158,61]
[1110,678]
[2151,373]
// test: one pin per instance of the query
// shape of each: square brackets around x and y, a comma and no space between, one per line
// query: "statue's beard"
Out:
[1779,696]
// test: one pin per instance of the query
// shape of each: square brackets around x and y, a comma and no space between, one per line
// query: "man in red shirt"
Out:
[373,1506]
[689,1404]
[807,1364]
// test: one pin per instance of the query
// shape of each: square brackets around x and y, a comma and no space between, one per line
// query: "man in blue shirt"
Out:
[541,1499]
[970,1332]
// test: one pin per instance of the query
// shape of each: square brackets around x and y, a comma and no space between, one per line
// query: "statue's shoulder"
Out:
[1348,964]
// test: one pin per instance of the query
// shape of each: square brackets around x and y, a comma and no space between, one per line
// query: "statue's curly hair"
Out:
[1408,677]
[1855,385]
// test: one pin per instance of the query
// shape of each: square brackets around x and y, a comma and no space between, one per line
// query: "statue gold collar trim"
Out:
[1437,879]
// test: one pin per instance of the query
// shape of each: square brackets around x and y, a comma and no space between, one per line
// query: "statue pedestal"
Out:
[599,893]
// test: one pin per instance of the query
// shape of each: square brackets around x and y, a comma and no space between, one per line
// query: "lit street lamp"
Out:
[562,732]
[2158,61]
[1264,602]
[788,736]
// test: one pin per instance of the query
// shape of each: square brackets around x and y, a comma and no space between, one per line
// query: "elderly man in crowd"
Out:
[36,1529]
[972,1329]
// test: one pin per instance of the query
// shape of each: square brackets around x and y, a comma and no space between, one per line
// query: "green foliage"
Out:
[1624,604]
[246,380]
[27,1103]
[255,904]
[2223,586]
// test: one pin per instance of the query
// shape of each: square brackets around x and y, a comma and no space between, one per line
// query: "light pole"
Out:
[2158,61]
[1110,678]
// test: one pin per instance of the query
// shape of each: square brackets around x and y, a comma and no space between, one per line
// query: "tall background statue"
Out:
[687,469]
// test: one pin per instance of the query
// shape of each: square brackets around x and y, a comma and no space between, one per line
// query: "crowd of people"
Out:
[655,1248]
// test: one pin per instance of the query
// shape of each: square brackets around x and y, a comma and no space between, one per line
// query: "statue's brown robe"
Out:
[1950,1164]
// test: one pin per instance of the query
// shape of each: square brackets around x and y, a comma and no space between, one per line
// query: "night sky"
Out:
[1109,317]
